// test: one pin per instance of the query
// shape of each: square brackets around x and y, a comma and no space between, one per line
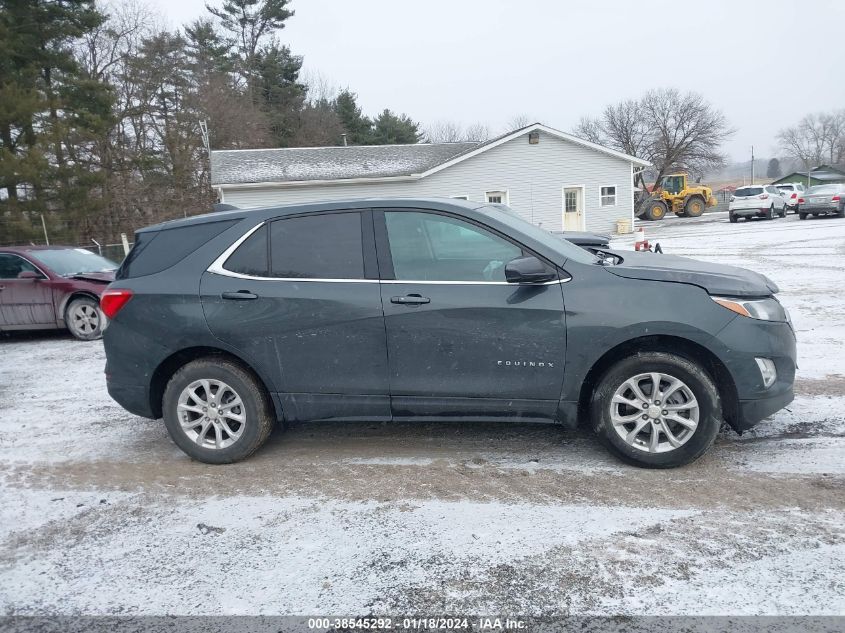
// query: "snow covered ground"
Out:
[101,514]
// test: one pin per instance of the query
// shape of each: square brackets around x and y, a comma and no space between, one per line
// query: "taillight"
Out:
[800,200]
[111,301]
[763,196]
[835,199]
[793,196]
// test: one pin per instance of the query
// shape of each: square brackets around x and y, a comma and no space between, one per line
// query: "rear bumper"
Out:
[822,208]
[133,398]
[749,212]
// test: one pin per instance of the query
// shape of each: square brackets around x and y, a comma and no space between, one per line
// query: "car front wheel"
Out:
[216,411]
[84,319]
[656,410]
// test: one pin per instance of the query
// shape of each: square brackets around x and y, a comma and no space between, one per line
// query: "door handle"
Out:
[240,295]
[413,300]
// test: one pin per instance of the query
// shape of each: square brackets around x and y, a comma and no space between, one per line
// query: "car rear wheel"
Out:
[84,319]
[656,410]
[732,217]
[216,411]
[802,216]
[770,214]
[783,211]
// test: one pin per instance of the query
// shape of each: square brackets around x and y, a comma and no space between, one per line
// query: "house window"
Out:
[571,201]
[608,196]
[497,197]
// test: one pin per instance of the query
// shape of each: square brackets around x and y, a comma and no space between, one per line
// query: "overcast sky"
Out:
[487,61]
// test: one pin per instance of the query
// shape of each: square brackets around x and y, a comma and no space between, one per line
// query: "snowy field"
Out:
[101,514]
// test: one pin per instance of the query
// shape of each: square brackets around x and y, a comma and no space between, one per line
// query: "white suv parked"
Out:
[792,191]
[763,201]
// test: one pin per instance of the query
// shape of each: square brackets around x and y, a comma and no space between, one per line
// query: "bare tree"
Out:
[451,132]
[670,129]
[817,139]
[518,121]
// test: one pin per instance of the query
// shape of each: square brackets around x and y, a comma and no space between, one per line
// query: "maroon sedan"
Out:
[52,287]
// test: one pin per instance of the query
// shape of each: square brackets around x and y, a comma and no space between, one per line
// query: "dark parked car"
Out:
[822,200]
[434,310]
[53,287]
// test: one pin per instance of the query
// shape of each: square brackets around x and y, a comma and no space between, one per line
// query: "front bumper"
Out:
[753,411]
[745,339]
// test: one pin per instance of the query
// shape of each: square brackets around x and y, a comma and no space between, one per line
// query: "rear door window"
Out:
[326,246]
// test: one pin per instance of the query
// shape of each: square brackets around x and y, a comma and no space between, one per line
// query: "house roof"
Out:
[322,165]
[822,173]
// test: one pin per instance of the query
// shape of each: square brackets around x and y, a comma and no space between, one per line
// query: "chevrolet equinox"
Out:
[398,309]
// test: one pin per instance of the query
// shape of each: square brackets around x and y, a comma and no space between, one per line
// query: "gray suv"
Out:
[402,309]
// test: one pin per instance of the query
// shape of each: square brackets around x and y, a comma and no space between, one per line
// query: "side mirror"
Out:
[28,274]
[528,270]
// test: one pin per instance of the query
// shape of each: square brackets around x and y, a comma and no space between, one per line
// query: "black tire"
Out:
[802,215]
[697,381]
[770,214]
[694,207]
[841,213]
[732,217]
[783,211]
[256,405]
[655,210]
[84,319]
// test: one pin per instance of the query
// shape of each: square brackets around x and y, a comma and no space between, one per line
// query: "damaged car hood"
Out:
[716,279]
[103,277]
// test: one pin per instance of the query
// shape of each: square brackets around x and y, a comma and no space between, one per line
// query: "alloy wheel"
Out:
[84,319]
[654,412]
[211,413]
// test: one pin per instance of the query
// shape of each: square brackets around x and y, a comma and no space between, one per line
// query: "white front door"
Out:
[573,208]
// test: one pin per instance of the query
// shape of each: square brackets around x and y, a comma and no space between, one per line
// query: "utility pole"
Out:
[752,164]
[44,226]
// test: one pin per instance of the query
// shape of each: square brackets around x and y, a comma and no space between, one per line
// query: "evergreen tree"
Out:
[51,113]
[358,128]
[773,170]
[390,129]
[280,92]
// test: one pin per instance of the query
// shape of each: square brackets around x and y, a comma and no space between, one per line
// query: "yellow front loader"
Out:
[676,196]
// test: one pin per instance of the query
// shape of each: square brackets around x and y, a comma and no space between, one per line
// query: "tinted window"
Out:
[250,258]
[325,246]
[11,266]
[430,247]
[159,250]
[744,192]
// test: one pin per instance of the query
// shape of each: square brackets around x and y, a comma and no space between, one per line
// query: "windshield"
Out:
[823,189]
[508,216]
[744,192]
[786,187]
[69,261]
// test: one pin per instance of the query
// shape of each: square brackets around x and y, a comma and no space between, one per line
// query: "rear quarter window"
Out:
[159,250]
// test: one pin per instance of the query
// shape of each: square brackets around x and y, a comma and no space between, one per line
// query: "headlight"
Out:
[763,309]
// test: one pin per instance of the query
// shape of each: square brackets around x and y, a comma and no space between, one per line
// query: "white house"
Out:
[554,179]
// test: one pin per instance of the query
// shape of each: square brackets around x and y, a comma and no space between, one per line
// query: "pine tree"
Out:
[51,113]
[390,129]
[773,170]
[358,128]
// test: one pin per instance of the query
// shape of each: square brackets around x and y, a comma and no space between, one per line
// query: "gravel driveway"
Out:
[101,514]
